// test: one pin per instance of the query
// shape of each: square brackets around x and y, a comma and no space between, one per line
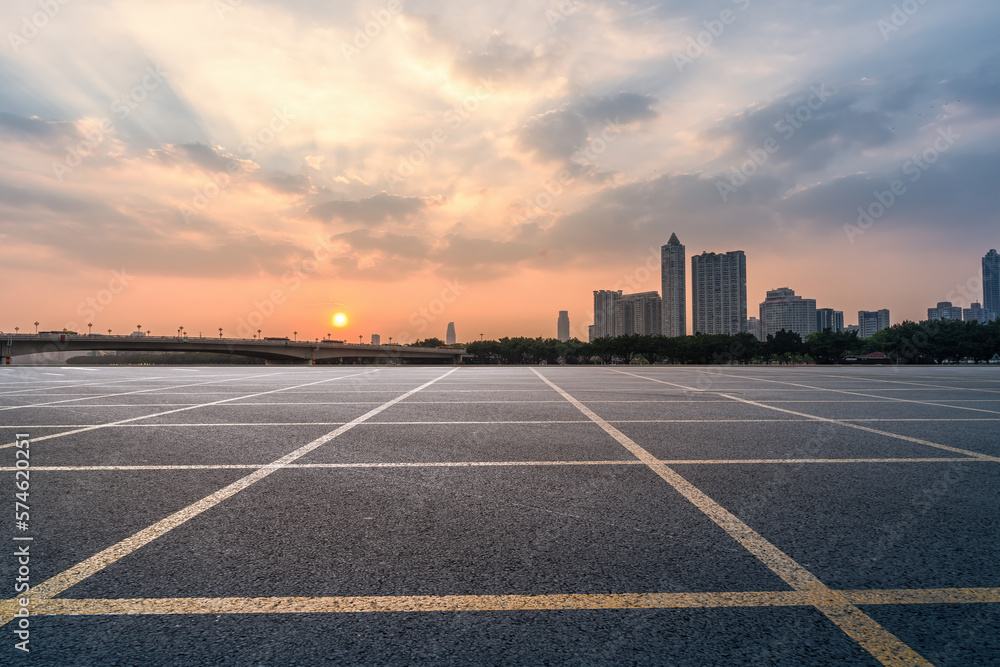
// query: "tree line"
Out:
[925,342]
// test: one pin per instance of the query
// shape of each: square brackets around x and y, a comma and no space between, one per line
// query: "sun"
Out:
[339,320]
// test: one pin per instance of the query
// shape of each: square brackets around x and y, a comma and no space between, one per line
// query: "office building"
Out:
[782,309]
[753,326]
[719,292]
[449,338]
[604,313]
[870,321]
[673,288]
[590,333]
[974,313]
[828,318]
[376,339]
[944,311]
[638,314]
[562,325]
[991,285]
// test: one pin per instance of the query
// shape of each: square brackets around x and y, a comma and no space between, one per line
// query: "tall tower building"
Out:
[638,314]
[828,318]
[781,309]
[991,285]
[604,313]
[449,338]
[944,311]
[562,325]
[719,292]
[870,321]
[673,288]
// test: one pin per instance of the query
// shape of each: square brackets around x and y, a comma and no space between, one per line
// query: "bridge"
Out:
[273,351]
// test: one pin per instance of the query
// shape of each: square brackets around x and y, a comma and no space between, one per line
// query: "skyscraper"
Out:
[673,288]
[719,292]
[944,311]
[828,318]
[870,321]
[991,285]
[638,314]
[604,313]
[974,313]
[562,325]
[753,326]
[449,338]
[781,309]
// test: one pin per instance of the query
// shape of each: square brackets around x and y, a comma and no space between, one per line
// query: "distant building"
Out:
[991,285]
[852,327]
[870,321]
[638,314]
[944,311]
[590,333]
[604,313]
[673,288]
[376,339]
[753,326]
[974,313]
[449,338]
[782,309]
[719,292]
[828,318]
[562,325]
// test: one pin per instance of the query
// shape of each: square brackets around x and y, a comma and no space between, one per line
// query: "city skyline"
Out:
[411,164]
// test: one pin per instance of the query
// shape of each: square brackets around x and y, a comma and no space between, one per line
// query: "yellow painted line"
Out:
[926,596]
[553,602]
[857,393]
[956,450]
[184,409]
[475,464]
[77,573]
[882,644]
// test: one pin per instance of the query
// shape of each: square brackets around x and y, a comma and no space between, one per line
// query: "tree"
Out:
[785,345]
[429,342]
[829,347]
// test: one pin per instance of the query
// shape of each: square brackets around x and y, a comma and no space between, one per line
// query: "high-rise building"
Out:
[944,311]
[991,285]
[870,321]
[376,339]
[449,338]
[719,292]
[562,325]
[782,309]
[673,288]
[638,314]
[604,313]
[590,333]
[753,326]
[974,313]
[828,318]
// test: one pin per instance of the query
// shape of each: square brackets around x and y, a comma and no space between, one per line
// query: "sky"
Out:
[261,165]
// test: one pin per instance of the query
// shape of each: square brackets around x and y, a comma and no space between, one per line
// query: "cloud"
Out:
[372,210]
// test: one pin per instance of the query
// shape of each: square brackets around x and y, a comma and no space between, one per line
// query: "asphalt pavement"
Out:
[495,516]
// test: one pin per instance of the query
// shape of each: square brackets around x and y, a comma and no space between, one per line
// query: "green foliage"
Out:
[429,342]
[909,342]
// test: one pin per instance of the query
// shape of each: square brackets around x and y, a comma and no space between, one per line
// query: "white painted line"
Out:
[946,448]
[125,393]
[871,636]
[175,410]
[77,573]
[500,464]
[855,393]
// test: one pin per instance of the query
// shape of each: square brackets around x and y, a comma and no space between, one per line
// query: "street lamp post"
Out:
[36,328]
[258,333]
[359,338]
[480,338]
[295,335]
[90,328]
[109,332]
[220,333]
[16,329]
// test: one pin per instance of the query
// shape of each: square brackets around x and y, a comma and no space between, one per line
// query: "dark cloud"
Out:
[499,59]
[379,256]
[206,157]
[810,128]
[558,134]
[371,211]
[285,182]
